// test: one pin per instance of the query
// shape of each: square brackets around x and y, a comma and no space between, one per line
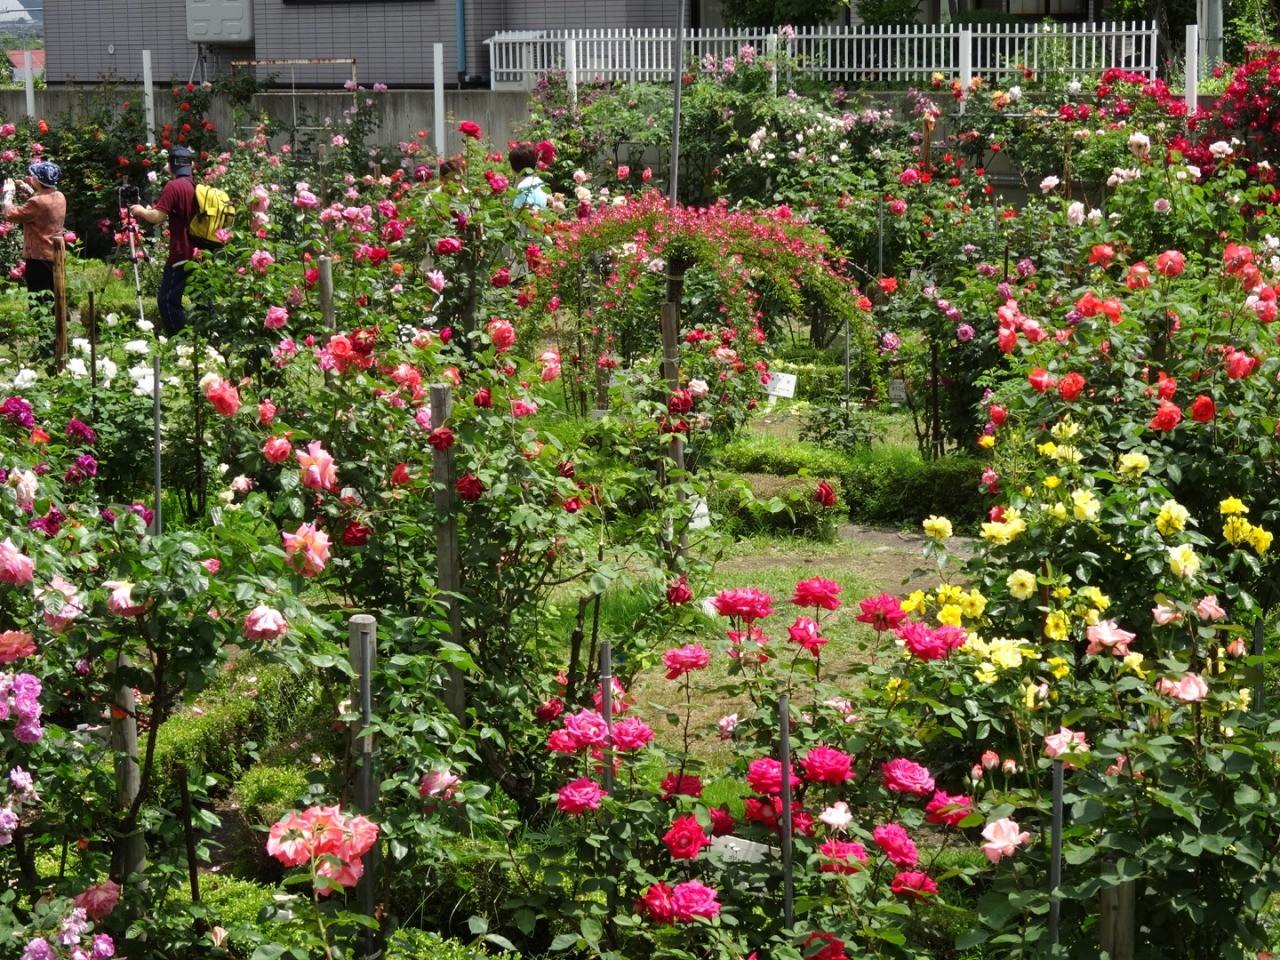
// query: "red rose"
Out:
[572,505]
[1040,380]
[998,414]
[447,245]
[549,710]
[1070,387]
[897,846]
[685,838]
[1102,255]
[832,949]
[948,809]
[501,279]
[1167,416]
[824,494]
[678,591]
[469,488]
[817,592]
[722,822]
[356,534]
[469,129]
[483,398]
[685,784]
[1139,277]
[656,902]
[441,438]
[1171,263]
[1203,409]
[918,886]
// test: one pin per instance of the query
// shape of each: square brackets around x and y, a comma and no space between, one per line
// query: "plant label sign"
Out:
[781,385]
[897,392]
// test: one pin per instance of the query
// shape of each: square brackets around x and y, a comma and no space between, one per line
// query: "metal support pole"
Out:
[363,651]
[571,68]
[156,521]
[448,561]
[1055,854]
[671,371]
[966,64]
[677,82]
[771,51]
[1192,74]
[880,241]
[606,708]
[149,96]
[437,93]
[30,80]
[784,755]
[1213,33]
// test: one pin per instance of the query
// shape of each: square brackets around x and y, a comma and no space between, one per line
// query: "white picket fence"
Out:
[896,55]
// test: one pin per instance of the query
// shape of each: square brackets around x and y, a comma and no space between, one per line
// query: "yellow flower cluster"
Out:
[1236,530]
[1002,532]
[998,655]
[954,604]
[1063,454]
[1133,661]
[1059,667]
[1084,505]
[1057,625]
[1172,518]
[1021,584]
[1065,429]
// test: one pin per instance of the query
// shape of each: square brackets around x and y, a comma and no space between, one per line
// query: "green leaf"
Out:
[563,942]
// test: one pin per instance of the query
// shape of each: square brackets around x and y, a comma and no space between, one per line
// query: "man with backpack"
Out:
[177,204]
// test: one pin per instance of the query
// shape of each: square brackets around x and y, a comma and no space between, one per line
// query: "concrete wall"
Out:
[404,112]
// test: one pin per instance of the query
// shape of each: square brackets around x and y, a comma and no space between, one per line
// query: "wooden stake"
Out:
[448,559]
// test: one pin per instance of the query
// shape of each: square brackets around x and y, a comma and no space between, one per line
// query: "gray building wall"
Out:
[391,40]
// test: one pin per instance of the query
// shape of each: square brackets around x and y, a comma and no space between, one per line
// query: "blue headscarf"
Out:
[46,172]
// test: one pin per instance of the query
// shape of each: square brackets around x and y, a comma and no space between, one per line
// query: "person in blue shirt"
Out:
[530,190]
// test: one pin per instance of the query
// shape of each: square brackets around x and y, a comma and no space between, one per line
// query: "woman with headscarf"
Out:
[42,217]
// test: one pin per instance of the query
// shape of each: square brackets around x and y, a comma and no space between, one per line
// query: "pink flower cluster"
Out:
[328,840]
[20,698]
[683,903]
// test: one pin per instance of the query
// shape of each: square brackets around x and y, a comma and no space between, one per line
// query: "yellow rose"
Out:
[1068,454]
[1085,505]
[950,615]
[1183,561]
[1059,667]
[896,685]
[973,604]
[914,602]
[1172,518]
[1237,530]
[948,593]
[1056,625]
[1065,429]
[1052,483]
[1260,540]
[1021,584]
[939,528]
[1047,449]
[1134,662]
[1133,464]
[1231,506]
[986,441]
[986,674]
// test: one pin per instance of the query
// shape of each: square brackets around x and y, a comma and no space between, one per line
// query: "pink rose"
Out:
[121,601]
[1065,742]
[15,567]
[319,469]
[1164,616]
[817,592]
[224,397]
[883,612]
[1003,839]
[307,549]
[277,317]
[16,644]
[682,660]
[1107,635]
[842,856]
[502,333]
[264,623]
[948,809]
[277,449]
[1210,609]
[746,603]
[438,783]
[1189,689]
[99,900]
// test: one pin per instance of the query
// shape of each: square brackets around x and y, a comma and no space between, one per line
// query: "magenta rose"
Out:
[906,776]
[841,856]
[631,734]
[682,660]
[918,886]
[691,900]
[817,592]
[765,776]
[746,603]
[580,796]
[897,846]
[588,728]
[656,902]
[947,808]
[825,764]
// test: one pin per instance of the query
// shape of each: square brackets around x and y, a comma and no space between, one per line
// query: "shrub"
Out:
[410,943]
[894,485]
[769,504]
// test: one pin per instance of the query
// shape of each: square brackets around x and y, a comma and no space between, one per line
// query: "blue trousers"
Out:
[169,298]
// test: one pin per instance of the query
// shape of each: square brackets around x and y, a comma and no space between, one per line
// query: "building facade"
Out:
[391,41]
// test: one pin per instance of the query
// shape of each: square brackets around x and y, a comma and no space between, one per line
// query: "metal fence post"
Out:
[1192,73]
[571,68]
[362,650]
[784,755]
[149,96]
[966,64]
